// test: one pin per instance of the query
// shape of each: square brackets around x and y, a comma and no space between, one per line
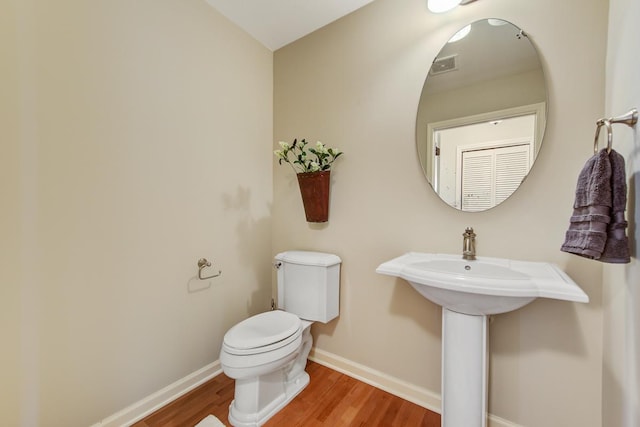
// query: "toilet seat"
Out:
[262,333]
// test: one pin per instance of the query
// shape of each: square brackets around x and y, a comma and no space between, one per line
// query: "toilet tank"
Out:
[309,284]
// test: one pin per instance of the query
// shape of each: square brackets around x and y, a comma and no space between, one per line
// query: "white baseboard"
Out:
[157,400]
[407,391]
[495,421]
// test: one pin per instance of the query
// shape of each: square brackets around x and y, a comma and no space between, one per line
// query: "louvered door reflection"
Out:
[489,176]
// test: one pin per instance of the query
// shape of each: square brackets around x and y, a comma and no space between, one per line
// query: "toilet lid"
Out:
[262,329]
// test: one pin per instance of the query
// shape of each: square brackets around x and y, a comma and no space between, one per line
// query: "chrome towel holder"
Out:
[202,264]
[630,119]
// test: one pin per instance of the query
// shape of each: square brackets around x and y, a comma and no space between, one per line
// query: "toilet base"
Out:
[257,399]
[240,418]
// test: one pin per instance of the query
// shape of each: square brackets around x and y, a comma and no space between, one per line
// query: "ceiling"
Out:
[490,51]
[276,23]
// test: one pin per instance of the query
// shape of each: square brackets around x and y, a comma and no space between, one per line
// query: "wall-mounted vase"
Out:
[314,189]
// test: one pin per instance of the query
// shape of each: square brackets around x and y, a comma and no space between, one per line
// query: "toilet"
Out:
[266,354]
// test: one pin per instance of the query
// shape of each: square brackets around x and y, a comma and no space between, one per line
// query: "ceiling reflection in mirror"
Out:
[482,115]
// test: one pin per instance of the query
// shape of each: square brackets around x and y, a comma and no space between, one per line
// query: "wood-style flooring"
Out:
[331,399]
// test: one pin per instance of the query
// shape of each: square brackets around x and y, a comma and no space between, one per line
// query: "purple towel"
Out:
[616,249]
[597,227]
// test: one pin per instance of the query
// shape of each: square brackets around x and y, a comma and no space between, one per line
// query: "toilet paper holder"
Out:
[202,264]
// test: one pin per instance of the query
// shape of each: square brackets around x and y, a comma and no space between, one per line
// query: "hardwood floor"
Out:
[331,399]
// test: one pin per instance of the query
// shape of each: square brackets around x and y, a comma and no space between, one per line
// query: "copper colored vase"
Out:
[314,189]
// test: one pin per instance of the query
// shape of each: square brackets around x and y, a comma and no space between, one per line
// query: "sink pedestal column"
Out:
[464,369]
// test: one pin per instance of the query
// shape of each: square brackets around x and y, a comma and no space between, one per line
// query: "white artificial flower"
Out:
[321,148]
[284,145]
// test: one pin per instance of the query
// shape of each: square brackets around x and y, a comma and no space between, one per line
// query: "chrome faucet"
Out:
[469,244]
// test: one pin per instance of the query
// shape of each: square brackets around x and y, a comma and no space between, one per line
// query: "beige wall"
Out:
[140,143]
[356,85]
[521,89]
[10,223]
[621,294]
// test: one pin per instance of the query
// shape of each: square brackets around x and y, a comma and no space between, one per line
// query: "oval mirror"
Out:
[482,115]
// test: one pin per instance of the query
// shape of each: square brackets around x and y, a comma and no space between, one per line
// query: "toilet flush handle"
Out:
[277,265]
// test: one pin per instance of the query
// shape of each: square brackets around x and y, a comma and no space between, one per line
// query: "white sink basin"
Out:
[483,286]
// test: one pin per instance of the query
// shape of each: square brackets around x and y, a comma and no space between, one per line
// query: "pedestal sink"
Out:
[468,292]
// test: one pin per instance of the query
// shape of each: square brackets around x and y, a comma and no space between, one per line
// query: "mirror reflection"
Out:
[482,115]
